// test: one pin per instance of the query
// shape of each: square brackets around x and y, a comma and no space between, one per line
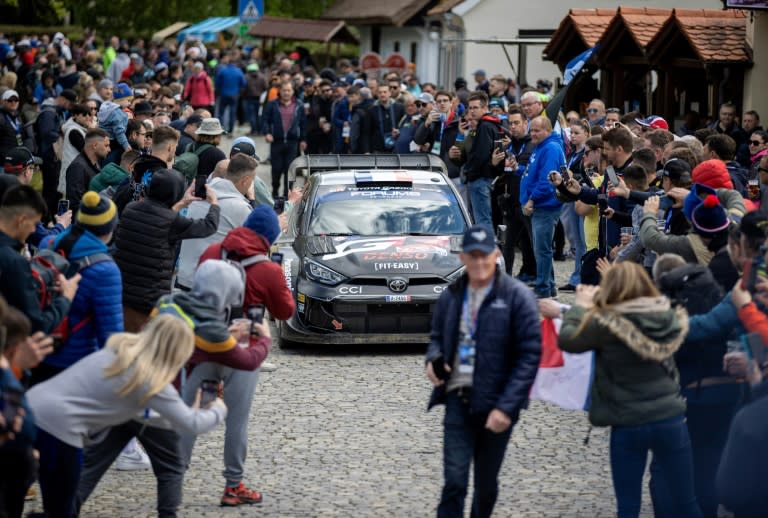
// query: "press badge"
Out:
[467,355]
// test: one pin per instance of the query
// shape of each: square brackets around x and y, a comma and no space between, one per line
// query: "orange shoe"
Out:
[240,494]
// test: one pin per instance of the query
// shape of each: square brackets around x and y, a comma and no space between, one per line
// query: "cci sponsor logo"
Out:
[351,290]
[440,288]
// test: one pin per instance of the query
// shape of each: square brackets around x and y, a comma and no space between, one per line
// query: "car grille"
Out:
[369,318]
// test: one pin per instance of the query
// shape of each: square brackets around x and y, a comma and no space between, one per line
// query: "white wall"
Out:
[757,77]
[504,18]
[426,58]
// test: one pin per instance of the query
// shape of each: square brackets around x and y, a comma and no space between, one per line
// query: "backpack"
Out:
[241,264]
[693,287]
[187,162]
[47,265]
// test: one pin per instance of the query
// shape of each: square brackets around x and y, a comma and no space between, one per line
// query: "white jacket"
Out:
[68,151]
[235,209]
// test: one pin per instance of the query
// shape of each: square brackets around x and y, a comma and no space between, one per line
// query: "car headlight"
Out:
[455,275]
[322,274]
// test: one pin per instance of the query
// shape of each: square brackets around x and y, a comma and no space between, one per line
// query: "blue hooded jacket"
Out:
[546,157]
[99,295]
[114,121]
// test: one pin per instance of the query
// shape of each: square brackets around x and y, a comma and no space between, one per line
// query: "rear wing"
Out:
[305,165]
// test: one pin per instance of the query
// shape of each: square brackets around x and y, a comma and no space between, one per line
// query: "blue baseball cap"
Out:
[478,238]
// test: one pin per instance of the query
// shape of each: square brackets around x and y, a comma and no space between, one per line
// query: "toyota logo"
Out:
[398,285]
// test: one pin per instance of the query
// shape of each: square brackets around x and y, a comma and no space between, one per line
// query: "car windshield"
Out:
[386,210]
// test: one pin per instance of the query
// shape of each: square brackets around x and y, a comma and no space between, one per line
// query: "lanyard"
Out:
[471,320]
[575,156]
[16,125]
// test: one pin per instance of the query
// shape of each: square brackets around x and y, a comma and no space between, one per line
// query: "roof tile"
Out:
[715,35]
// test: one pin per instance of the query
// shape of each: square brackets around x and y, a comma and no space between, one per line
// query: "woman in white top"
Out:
[78,406]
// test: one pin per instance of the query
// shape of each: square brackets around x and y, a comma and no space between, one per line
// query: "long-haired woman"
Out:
[635,332]
[107,388]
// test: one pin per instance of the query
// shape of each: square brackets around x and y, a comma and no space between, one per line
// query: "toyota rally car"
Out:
[370,247]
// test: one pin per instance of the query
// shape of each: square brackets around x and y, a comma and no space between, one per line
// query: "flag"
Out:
[568,385]
[575,65]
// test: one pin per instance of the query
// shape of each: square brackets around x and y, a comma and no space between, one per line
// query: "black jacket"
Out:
[431,134]
[145,246]
[79,175]
[377,127]
[9,137]
[18,287]
[743,467]
[357,124]
[478,163]
[508,339]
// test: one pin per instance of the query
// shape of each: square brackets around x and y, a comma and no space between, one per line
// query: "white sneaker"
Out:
[132,458]
[268,367]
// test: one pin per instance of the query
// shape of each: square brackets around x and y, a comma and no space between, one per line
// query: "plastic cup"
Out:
[661,224]
[630,231]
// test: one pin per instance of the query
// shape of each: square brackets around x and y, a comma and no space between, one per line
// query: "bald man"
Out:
[537,196]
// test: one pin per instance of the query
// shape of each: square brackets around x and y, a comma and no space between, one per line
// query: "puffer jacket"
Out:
[99,297]
[636,381]
[111,175]
[265,282]
[508,344]
[149,231]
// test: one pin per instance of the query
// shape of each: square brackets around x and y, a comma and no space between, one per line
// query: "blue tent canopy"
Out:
[208,30]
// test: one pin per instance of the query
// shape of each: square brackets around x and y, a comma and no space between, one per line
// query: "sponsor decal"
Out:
[351,290]
[288,272]
[395,266]
[391,248]
[301,297]
[397,298]
[300,307]
[337,325]
[499,304]
[440,288]
[386,256]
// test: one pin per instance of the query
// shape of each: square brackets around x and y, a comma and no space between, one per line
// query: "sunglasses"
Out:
[13,100]
[394,88]
[755,143]
[592,110]
[325,90]
[419,104]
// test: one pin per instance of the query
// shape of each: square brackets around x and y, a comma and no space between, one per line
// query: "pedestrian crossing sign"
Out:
[251,11]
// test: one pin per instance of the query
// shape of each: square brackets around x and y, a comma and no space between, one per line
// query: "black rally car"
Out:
[370,247]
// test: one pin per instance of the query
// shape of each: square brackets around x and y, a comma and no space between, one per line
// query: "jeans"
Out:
[709,415]
[462,188]
[163,449]
[252,113]
[239,388]
[574,232]
[282,154]
[466,439]
[671,447]
[59,473]
[543,223]
[228,112]
[480,198]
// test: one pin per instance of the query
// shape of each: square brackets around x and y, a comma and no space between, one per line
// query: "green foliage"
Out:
[296,8]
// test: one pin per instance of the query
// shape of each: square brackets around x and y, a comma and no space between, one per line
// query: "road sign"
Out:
[251,11]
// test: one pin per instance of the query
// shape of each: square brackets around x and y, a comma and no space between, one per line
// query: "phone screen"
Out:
[256,313]
[63,207]
[210,391]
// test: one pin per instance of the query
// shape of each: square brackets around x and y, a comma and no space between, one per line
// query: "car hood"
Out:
[383,256]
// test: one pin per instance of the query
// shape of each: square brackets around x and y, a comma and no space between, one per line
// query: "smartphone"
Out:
[611,172]
[210,391]
[438,367]
[756,347]
[498,144]
[256,313]
[754,270]
[200,185]
[279,205]
[666,203]
[602,203]
[63,207]
[10,401]
[616,124]
[565,173]
[277,257]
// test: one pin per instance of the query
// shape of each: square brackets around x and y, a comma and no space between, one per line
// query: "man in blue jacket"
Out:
[285,128]
[230,81]
[537,196]
[482,359]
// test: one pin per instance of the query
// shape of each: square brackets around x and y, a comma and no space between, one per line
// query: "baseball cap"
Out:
[10,93]
[252,67]
[653,122]
[479,72]
[244,145]
[18,158]
[309,81]
[193,120]
[142,108]
[425,98]
[69,95]
[478,238]
[675,168]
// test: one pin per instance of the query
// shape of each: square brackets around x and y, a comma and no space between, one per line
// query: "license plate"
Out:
[397,298]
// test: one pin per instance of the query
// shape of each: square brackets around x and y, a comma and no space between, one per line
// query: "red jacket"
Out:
[198,90]
[265,282]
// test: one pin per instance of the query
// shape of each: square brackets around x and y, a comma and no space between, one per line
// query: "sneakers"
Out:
[268,367]
[132,458]
[239,495]
[567,287]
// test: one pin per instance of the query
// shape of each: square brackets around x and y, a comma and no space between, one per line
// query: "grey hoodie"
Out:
[234,211]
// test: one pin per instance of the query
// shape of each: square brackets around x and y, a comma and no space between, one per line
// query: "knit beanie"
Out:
[709,217]
[695,197]
[713,173]
[97,213]
[263,221]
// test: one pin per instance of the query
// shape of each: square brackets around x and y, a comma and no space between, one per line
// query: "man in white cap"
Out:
[10,122]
